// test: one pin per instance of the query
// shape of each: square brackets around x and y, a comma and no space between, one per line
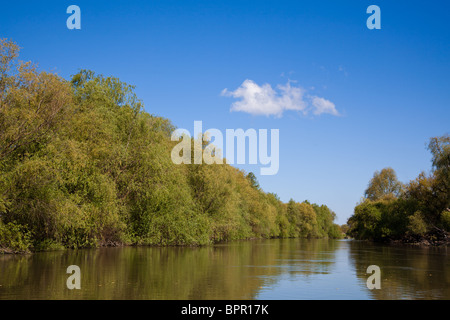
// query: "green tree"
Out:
[440,149]
[383,184]
[253,180]
[31,103]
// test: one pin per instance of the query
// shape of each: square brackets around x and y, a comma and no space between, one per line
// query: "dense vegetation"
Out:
[416,212]
[83,165]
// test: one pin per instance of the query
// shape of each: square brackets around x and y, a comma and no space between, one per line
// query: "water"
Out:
[280,269]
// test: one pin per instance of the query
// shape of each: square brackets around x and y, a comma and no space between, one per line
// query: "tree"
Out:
[344,228]
[431,193]
[31,102]
[253,180]
[440,149]
[384,184]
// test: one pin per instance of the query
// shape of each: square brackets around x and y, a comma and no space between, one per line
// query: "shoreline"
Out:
[111,244]
[407,242]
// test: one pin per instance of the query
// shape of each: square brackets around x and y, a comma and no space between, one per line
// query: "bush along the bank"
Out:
[83,165]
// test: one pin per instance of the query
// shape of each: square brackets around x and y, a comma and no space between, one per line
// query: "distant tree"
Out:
[383,184]
[253,180]
[344,228]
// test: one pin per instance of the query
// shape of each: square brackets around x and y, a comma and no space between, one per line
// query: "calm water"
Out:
[262,269]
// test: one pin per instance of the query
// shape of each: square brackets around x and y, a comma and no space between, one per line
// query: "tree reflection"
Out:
[406,272]
[234,270]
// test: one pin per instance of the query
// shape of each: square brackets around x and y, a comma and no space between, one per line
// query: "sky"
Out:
[347,100]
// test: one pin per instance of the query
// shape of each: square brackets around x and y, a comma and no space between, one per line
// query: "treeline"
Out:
[416,212]
[83,165]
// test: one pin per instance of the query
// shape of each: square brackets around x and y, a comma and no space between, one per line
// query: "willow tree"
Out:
[31,103]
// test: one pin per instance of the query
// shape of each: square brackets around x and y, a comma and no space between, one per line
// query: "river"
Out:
[276,269]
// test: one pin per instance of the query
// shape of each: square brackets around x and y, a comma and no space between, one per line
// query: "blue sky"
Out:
[391,87]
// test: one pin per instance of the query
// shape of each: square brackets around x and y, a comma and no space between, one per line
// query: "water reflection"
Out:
[229,271]
[259,269]
[406,272]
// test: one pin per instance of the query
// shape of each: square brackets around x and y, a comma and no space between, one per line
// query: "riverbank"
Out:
[116,244]
[436,238]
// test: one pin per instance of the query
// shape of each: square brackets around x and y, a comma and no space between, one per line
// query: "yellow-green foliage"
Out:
[445,219]
[82,165]
[14,238]
[417,224]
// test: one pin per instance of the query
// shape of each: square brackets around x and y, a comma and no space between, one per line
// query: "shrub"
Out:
[14,238]
[445,218]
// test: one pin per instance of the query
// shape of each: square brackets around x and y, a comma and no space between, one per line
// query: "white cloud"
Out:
[321,105]
[264,100]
